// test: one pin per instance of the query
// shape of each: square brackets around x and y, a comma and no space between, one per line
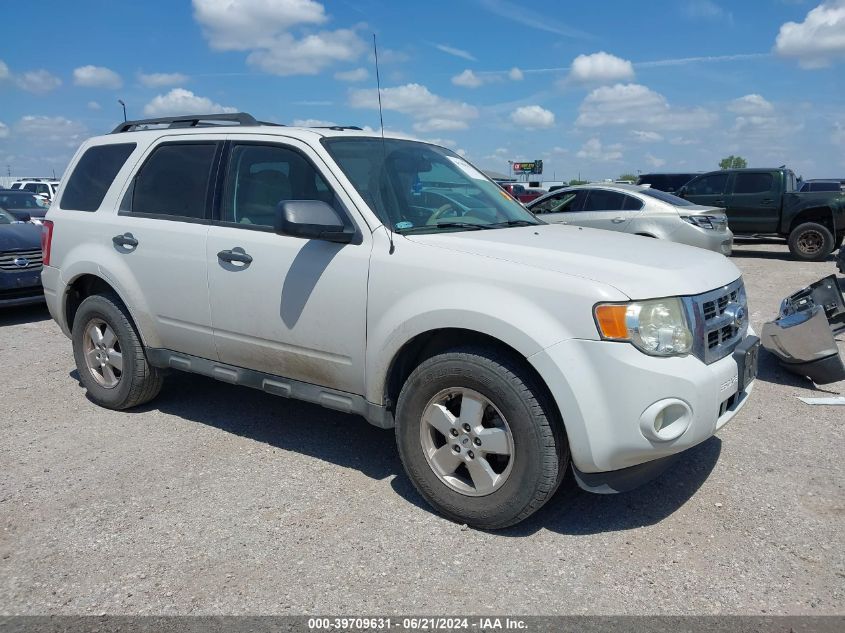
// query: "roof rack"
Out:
[337,128]
[191,120]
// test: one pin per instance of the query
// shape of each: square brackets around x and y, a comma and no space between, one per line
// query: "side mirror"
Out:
[311,220]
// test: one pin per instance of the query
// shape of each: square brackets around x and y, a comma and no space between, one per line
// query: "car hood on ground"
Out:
[640,267]
[19,237]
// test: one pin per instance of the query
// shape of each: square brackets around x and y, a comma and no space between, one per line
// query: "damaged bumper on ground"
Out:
[803,336]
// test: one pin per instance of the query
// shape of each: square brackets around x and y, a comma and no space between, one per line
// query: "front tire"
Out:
[810,242]
[478,439]
[110,357]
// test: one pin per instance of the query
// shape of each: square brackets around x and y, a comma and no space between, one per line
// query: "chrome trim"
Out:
[720,315]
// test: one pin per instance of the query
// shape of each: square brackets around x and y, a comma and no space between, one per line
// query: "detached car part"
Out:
[803,336]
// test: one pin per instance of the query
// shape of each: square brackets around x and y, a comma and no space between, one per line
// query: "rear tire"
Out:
[810,242]
[110,357]
[504,451]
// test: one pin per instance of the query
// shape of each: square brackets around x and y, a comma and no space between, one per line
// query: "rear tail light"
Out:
[46,240]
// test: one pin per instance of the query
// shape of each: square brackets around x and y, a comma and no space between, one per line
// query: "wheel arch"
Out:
[821,215]
[85,285]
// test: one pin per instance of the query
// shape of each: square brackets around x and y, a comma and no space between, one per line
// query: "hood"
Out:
[639,267]
[19,237]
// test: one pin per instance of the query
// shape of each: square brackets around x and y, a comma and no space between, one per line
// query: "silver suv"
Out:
[391,279]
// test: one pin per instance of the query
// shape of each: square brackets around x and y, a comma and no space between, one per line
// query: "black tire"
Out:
[540,449]
[810,242]
[139,382]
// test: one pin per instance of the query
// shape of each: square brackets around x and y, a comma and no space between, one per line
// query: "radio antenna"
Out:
[383,144]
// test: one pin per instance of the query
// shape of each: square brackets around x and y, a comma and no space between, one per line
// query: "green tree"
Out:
[631,177]
[575,181]
[733,162]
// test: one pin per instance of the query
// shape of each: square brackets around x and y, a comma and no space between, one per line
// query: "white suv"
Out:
[392,279]
[43,187]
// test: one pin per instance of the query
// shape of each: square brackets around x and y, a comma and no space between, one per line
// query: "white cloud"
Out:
[644,136]
[752,104]
[680,140]
[357,74]
[262,27]
[533,117]
[4,130]
[600,67]
[181,101]
[93,105]
[467,79]
[594,150]
[96,77]
[515,74]
[517,14]
[635,104]
[697,9]
[455,52]
[38,81]
[4,70]
[817,41]
[161,80]
[430,111]
[56,131]
[838,137]
[654,162]
[313,123]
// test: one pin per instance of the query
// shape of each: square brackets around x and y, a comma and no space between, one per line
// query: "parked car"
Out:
[639,211]
[521,193]
[666,182]
[20,262]
[766,202]
[23,204]
[821,185]
[45,187]
[310,264]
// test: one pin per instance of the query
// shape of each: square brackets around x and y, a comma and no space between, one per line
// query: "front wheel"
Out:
[810,242]
[478,439]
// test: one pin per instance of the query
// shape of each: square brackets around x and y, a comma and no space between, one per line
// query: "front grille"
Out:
[720,321]
[31,260]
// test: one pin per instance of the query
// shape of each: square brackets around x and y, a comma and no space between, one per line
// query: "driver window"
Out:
[261,176]
[561,203]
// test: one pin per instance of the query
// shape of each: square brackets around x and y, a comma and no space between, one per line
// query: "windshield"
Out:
[419,188]
[20,201]
[667,197]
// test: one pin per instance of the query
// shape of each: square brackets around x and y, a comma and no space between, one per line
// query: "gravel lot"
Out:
[217,499]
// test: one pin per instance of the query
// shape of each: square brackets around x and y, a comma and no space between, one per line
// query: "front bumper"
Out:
[612,397]
[803,336]
[20,288]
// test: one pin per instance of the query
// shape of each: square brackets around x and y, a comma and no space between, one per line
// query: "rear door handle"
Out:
[766,201]
[618,220]
[127,239]
[237,254]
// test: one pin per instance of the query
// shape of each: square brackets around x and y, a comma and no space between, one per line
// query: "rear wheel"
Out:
[109,355]
[477,438]
[810,242]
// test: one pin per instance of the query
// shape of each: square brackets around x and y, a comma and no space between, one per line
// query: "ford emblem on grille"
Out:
[736,313]
[21,262]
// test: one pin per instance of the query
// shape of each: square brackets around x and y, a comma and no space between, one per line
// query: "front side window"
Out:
[261,176]
[93,175]
[714,184]
[421,188]
[174,181]
[753,183]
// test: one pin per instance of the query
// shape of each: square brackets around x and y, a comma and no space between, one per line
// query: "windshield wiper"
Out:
[513,223]
[447,225]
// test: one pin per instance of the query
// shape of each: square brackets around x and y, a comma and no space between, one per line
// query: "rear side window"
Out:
[707,185]
[174,181]
[93,175]
[753,183]
[604,200]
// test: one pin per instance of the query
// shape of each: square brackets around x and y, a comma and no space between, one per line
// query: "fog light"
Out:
[665,420]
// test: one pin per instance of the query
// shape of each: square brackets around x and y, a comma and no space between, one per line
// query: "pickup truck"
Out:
[766,202]
[521,193]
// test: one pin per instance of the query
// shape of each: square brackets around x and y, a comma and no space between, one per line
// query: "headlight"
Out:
[701,221]
[657,327]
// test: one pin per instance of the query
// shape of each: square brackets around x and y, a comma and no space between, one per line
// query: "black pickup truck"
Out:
[766,202]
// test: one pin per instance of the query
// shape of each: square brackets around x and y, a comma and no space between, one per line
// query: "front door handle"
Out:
[235,255]
[618,220]
[766,201]
[127,239]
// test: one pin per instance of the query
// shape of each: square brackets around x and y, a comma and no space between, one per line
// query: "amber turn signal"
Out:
[611,321]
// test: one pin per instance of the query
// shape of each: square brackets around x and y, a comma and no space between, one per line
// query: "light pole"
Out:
[120,101]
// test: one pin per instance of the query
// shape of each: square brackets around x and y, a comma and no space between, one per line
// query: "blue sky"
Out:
[595,89]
